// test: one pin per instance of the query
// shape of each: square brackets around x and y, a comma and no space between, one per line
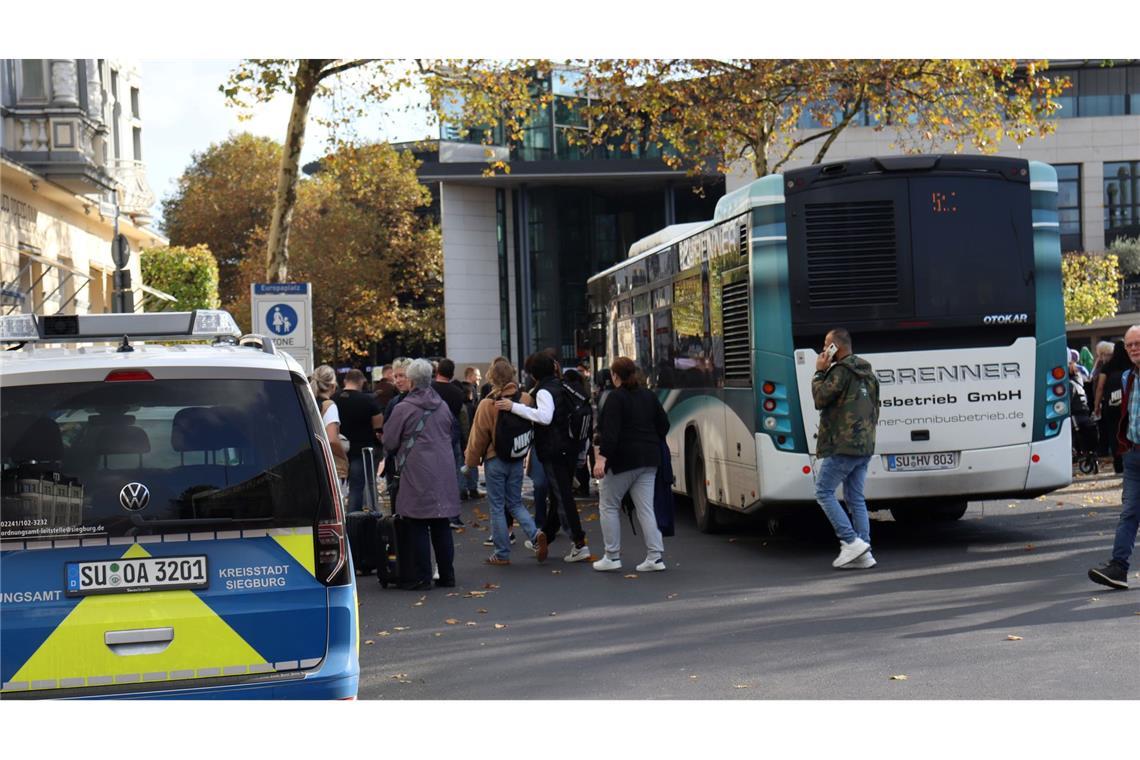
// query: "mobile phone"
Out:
[830,350]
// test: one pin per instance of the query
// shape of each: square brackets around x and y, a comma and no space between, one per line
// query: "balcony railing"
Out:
[1128,298]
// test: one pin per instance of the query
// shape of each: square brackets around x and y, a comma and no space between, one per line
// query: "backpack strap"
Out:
[410,441]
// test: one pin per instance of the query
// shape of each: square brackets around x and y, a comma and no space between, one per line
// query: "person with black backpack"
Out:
[556,448]
[500,443]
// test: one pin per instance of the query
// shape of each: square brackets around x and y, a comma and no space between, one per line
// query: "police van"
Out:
[170,524]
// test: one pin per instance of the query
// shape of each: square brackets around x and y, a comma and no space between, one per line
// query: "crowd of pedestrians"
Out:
[436,432]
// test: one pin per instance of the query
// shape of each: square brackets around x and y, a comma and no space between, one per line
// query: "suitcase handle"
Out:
[371,493]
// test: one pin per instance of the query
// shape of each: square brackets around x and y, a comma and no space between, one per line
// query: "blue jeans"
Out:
[1130,509]
[852,473]
[541,488]
[504,491]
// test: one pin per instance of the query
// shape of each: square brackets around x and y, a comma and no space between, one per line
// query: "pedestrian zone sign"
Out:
[283,312]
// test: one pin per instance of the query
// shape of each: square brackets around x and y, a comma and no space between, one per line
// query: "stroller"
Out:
[1085,435]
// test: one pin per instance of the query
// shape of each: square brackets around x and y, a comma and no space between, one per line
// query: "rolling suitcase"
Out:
[393,563]
[362,527]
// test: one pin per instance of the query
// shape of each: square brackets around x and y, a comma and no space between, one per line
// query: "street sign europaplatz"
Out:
[283,312]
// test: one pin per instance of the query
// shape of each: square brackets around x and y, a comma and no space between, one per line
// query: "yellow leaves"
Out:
[898,678]
[1090,283]
[369,642]
[631,576]
[500,626]
[451,621]
[475,595]
[400,628]
[1012,637]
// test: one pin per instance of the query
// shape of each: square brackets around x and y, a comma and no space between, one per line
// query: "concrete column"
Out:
[470,273]
[64,83]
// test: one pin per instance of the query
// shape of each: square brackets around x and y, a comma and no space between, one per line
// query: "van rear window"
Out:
[135,458]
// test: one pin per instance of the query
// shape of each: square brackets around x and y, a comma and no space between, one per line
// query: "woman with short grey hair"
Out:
[418,438]
[420,373]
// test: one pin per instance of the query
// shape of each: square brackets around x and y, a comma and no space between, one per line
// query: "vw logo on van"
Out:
[134,496]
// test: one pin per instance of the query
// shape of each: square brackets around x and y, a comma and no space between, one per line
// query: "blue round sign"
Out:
[281,319]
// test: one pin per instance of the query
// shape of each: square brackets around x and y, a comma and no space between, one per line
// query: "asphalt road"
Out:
[746,615]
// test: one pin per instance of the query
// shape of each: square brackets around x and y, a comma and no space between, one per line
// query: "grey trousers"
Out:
[639,483]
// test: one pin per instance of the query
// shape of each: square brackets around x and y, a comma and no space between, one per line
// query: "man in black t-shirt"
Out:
[453,396]
[360,420]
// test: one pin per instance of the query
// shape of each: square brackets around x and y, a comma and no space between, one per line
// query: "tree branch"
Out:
[325,73]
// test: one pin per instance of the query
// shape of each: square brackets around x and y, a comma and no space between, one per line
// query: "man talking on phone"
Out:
[846,393]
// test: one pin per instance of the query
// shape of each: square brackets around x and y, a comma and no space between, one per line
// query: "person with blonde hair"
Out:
[418,437]
[504,473]
[323,385]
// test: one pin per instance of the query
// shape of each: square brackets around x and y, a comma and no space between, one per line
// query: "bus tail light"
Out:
[776,419]
[1056,401]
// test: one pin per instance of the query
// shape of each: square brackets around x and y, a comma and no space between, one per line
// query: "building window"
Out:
[1121,200]
[1069,205]
[116,113]
[1102,92]
[137,135]
[504,282]
[135,102]
[33,85]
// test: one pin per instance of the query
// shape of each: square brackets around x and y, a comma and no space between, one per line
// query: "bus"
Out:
[945,269]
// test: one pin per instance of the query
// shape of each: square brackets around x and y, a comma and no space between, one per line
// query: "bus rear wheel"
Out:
[703,511]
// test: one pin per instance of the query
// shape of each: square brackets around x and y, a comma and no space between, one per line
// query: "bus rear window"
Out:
[116,459]
[973,248]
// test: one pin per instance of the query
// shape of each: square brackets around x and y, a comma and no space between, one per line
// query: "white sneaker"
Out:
[605,563]
[650,566]
[850,551]
[866,562]
[577,554]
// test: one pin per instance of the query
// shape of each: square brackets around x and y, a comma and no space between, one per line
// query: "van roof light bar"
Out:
[200,324]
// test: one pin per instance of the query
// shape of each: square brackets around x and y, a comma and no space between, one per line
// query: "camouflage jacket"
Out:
[847,397]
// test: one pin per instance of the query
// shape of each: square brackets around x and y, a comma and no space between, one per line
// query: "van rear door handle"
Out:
[139,640]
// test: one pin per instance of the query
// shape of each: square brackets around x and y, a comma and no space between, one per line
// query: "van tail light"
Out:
[331,540]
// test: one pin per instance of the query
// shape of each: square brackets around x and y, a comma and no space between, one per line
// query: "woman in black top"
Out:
[631,426]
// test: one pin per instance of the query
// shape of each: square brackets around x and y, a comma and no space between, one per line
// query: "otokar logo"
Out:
[1005,319]
[134,496]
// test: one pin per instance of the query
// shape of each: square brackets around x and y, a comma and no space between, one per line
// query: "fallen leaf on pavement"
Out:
[369,641]
[454,593]
[1095,599]
[732,540]
[490,585]
[401,628]
[460,530]
[898,678]
[438,633]
[399,675]
[481,611]
[500,625]
[693,678]
[383,633]
[632,575]
[475,595]
[471,624]
[590,518]
[742,686]
[1030,547]
[552,614]
[451,621]
[1011,637]
[556,572]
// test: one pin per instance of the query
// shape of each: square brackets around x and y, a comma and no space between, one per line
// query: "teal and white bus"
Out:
[947,272]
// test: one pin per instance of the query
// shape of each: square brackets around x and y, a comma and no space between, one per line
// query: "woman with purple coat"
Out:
[419,433]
